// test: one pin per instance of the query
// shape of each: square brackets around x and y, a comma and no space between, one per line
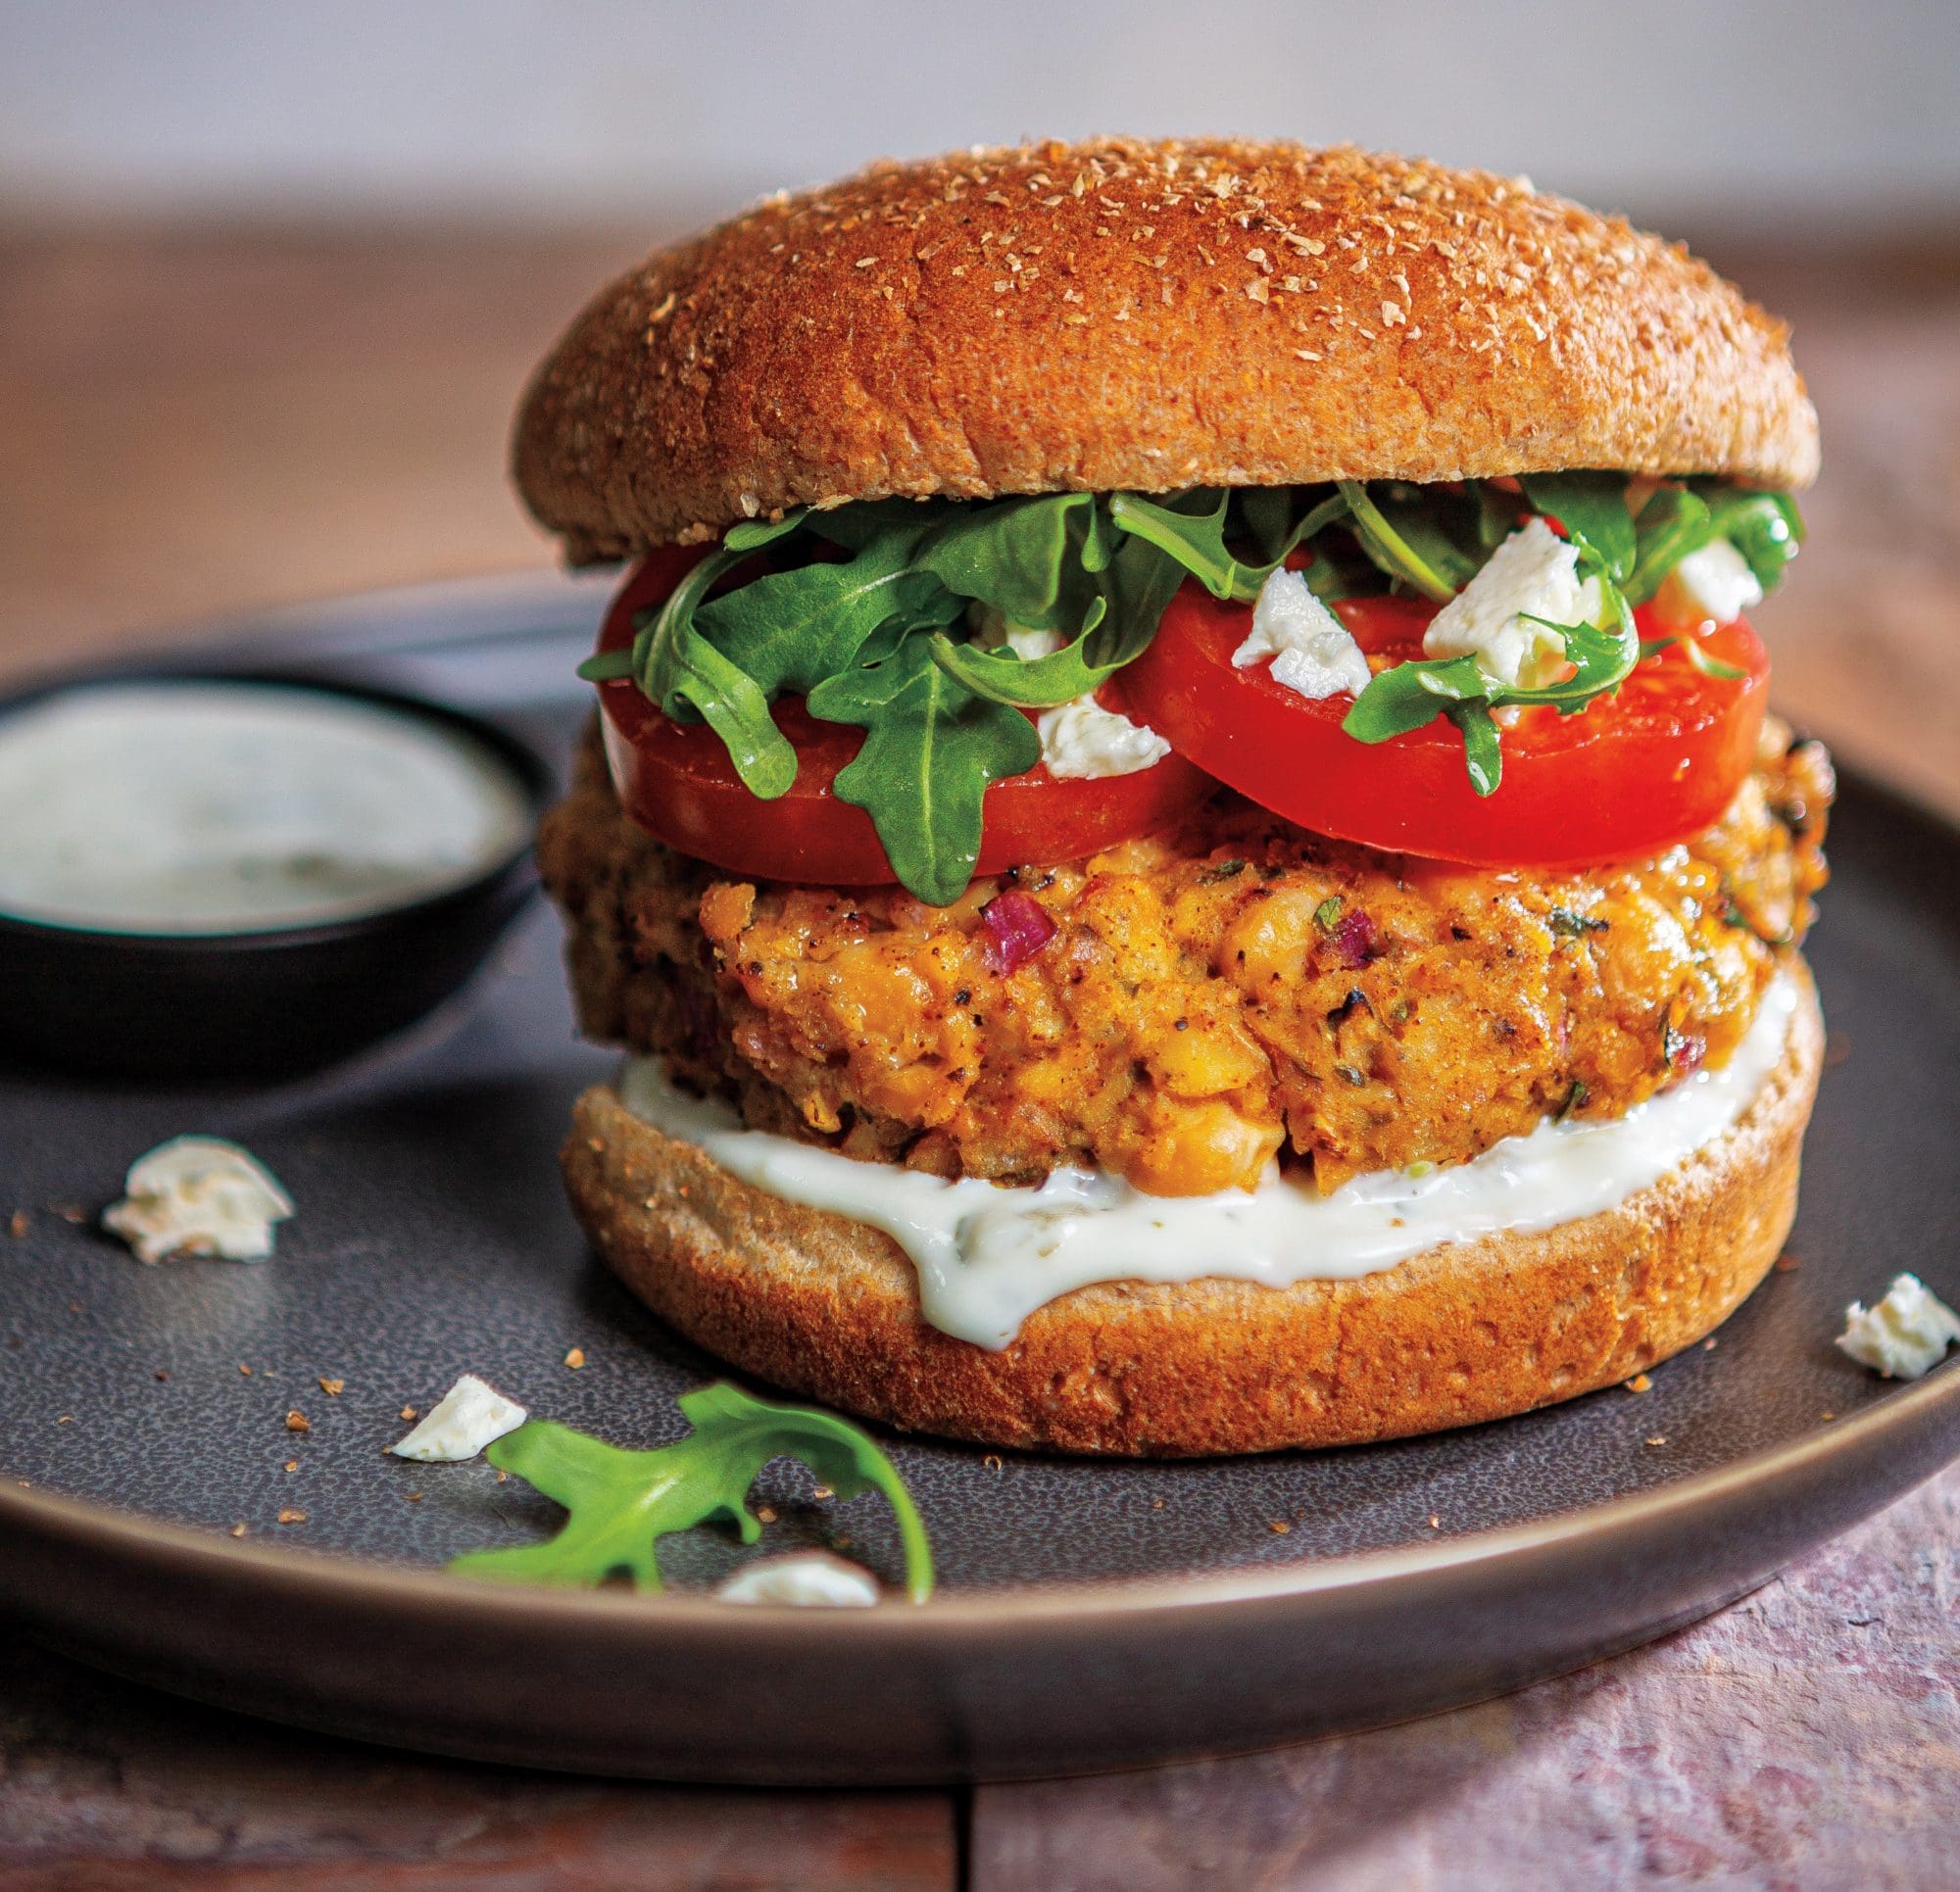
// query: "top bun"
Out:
[1144,315]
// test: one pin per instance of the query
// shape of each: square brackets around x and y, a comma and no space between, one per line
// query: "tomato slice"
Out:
[1624,777]
[676,781]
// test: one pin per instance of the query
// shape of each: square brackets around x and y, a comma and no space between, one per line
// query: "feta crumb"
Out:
[199,1195]
[465,1420]
[1905,1335]
[993,632]
[1081,739]
[1712,586]
[1532,574]
[1028,645]
[807,1577]
[1314,656]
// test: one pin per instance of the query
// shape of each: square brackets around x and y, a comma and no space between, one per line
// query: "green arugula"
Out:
[622,1502]
[931,747]
[1408,695]
[1593,510]
[861,609]
[1766,528]
[1407,547]
[1673,523]
[1193,531]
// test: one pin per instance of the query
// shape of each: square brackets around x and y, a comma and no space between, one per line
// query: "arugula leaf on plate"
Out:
[624,1502]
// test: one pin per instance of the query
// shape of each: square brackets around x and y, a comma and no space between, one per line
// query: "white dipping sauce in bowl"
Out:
[218,808]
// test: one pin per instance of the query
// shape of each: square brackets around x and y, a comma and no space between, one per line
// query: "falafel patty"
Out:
[1234,989]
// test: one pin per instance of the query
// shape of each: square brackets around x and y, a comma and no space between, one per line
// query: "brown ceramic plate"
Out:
[1090,1615]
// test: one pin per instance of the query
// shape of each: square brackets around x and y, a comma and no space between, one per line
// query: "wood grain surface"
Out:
[197,421]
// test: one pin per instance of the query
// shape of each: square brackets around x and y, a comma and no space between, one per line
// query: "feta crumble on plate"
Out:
[199,1195]
[1312,652]
[1905,1335]
[813,1578]
[465,1420]
[1534,574]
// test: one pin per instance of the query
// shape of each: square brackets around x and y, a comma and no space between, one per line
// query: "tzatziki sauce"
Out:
[989,1255]
[215,808]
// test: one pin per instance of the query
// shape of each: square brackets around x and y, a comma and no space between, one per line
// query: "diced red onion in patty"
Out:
[1017,927]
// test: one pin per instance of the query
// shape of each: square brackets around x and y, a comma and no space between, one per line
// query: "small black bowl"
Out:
[265,1005]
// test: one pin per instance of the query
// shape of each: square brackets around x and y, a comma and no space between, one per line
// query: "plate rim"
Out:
[1911,1409]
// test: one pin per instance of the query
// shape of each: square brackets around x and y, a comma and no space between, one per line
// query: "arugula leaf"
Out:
[1766,528]
[1032,683]
[931,747]
[1266,512]
[1593,510]
[624,1502]
[1408,695]
[1389,551]
[688,677]
[1138,582]
[751,535]
[1672,523]
[1482,750]
[1436,526]
[1023,557]
[606,667]
[788,630]
[1194,537]
[855,524]
[1192,529]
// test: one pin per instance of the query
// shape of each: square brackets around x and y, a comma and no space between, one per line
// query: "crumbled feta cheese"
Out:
[1081,739]
[808,1577]
[1028,645]
[199,1195]
[465,1420]
[1905,1335]
[1311,650]
[1532,574]
[1712,586]
[991,632]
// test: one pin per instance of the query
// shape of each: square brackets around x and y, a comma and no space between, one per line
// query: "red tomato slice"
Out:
[676,781]
[1626,776]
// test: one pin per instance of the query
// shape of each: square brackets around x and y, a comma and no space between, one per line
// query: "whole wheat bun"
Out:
[829,1308]
[1128,315]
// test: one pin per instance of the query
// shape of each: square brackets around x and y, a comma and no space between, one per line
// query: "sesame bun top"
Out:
[1127,315]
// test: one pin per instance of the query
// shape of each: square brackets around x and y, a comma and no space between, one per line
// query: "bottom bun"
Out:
[829,1308]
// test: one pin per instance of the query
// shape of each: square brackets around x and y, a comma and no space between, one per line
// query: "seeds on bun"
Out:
[1138,315]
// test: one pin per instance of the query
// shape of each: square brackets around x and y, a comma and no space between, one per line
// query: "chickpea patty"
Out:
[1209,997]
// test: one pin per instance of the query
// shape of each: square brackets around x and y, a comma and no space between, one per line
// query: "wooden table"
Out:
[212,421]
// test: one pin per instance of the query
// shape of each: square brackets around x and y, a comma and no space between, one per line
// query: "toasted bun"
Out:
[1126,315]
[829,1308]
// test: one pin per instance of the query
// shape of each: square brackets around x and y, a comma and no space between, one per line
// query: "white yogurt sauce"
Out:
[189,808]
[987,1256]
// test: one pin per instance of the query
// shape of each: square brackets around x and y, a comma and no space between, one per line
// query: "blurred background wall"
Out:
[271,276]
[1714,111]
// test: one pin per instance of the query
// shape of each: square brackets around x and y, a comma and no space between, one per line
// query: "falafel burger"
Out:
[1181,835]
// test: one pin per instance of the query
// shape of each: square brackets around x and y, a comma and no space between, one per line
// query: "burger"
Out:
[1181,835]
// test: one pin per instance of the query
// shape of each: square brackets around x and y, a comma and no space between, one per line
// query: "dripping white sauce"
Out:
[188,808]
[987,1256]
